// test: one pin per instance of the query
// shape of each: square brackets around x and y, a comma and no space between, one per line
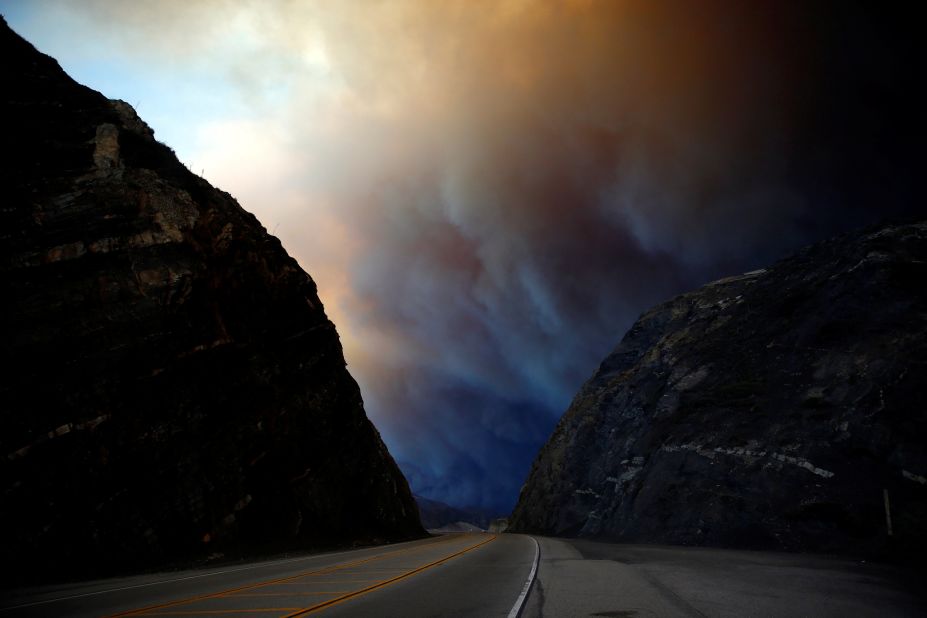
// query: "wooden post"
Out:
[888,512]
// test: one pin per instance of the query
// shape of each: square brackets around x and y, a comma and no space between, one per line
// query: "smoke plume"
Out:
[489,193]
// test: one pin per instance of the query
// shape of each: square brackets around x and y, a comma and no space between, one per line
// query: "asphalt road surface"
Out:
[501,575]
[584,578]
[452,575]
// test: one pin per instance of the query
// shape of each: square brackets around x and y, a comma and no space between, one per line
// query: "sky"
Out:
[488,194]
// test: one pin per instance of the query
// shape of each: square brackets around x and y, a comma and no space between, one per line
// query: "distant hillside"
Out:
[773,409]
[437,515]
[172,387]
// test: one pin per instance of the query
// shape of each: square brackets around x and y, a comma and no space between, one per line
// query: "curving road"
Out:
[586,578]
[457,574]
[486,575]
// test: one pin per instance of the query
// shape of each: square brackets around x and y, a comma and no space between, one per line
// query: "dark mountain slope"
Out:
[172,386]
[771,409]
[436,514]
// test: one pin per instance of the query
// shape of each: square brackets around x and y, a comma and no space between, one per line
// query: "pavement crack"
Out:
[539,588]
[670,595]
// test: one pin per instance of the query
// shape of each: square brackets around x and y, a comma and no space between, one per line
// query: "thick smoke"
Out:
[489,193]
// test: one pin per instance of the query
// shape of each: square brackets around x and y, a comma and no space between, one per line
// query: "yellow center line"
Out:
[332,569]
[338,581]
[287,584]
[309,579]
[357,593]
[315,583]
[265,610]
[285,594]
[305,584]
[384,569]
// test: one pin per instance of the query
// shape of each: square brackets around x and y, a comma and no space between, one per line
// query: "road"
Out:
[457,574]
[584,578]
[486,574]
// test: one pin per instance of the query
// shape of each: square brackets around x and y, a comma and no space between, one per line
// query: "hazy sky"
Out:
[489,193]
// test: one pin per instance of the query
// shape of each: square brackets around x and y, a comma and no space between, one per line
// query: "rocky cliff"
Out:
[771,409]
[172,387]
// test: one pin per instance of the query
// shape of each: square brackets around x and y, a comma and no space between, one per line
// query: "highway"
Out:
[458,574]
[585,578]
[488,575]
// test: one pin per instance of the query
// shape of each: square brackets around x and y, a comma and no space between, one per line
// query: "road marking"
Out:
[302,583]
[324,570]
[284,594]
[383,570]
[183,579]
[213,612]
[383,584]
[519,603]
[338,581]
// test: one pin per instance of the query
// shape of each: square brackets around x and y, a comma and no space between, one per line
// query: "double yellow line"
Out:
[357,593]
[324,571]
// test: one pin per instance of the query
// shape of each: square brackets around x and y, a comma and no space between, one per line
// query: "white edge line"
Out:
[180,579]
[527,587]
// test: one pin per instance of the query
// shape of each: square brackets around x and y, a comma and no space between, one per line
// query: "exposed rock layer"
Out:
[771,409]
[173,387]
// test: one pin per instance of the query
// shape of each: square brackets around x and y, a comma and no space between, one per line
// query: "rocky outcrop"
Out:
[771,409]
[172,387]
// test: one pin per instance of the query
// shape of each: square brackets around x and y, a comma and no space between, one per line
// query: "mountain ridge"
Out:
[175,389]
[772,409]
[436,514]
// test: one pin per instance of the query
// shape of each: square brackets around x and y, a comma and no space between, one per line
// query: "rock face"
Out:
[771,409]
[172,386]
